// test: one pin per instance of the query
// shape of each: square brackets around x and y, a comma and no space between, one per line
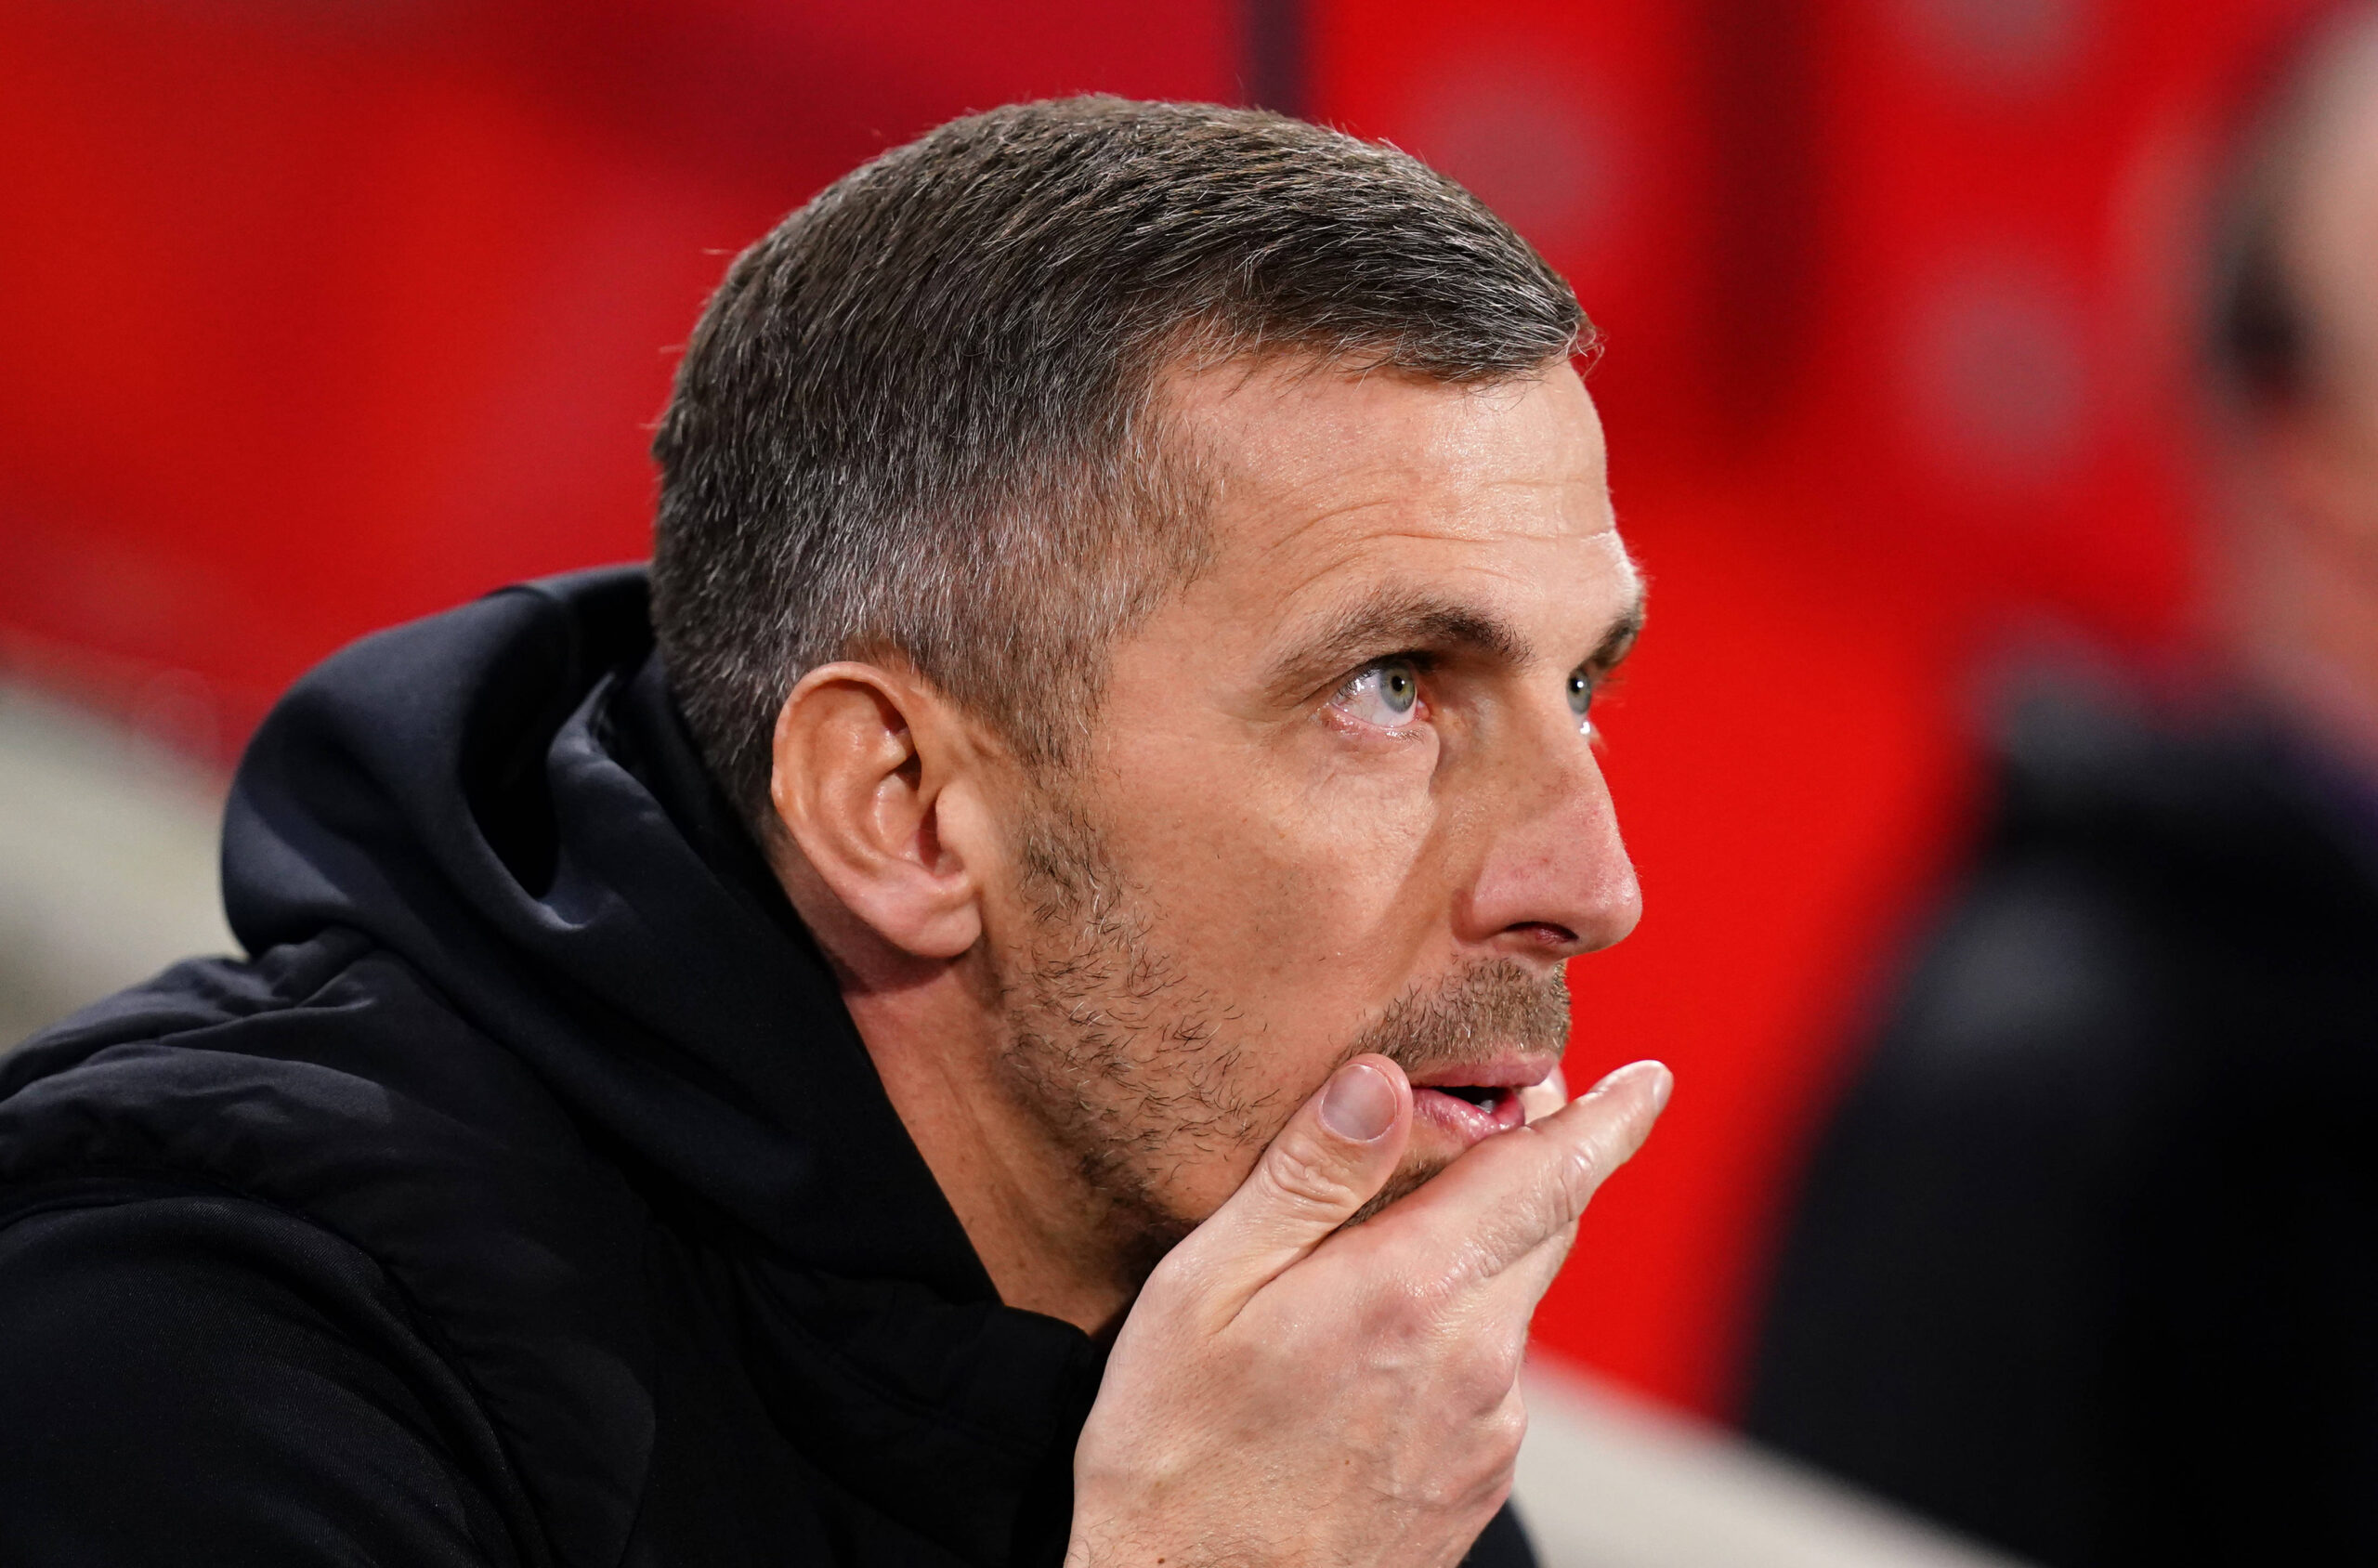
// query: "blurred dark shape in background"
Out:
[319,314]
[2087,1264]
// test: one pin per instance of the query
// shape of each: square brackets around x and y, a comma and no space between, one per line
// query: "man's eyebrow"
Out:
[1395,620]
[1619,641]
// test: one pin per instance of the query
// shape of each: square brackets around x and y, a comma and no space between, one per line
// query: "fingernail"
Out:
[1359,1103]
[1663,1083]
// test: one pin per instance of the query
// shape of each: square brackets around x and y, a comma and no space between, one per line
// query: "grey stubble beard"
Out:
[1129,1061]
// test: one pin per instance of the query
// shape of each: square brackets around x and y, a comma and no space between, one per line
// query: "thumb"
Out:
[1334,1156]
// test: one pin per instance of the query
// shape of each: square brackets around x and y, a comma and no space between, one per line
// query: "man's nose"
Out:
[1556,879]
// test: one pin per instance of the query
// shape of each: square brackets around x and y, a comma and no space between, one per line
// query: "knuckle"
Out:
[1487,1378]
[1500,1360]
[1576,1175]
[1507,1429]
[1297,1174]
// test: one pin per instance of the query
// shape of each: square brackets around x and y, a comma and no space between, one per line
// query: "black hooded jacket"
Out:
[527,1198]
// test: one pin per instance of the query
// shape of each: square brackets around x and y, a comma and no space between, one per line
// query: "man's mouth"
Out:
[1471,1112]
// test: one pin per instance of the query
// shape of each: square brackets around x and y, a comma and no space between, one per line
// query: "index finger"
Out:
[1508,1196]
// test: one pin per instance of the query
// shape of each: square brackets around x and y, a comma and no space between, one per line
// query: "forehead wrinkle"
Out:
[1413,516]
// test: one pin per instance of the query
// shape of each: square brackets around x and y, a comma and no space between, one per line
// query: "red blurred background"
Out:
[317,315]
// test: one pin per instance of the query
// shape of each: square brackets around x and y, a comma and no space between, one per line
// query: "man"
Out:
[878,1059]
[2088,1262]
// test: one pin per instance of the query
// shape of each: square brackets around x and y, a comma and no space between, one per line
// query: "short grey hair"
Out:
[919,420]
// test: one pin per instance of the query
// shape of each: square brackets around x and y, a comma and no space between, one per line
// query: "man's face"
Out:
[1342,794]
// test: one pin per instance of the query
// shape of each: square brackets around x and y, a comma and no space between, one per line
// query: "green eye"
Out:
[1581,694]
[1385,694]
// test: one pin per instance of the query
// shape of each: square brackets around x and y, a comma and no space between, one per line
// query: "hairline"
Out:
[1174,451]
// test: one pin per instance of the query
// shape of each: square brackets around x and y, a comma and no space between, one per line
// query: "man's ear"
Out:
[871,767]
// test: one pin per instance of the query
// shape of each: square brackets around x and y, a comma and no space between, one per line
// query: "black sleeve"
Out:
[1502,1544]
[199,1380]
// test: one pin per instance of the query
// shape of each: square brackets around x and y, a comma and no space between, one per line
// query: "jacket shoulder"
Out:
[329,1081]
[255,1382]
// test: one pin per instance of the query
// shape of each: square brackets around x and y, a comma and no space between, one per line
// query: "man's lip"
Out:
[1515,1071]
[1465,1119]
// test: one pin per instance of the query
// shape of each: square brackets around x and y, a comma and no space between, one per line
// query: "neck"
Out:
[1050,1240]
[1041,1230]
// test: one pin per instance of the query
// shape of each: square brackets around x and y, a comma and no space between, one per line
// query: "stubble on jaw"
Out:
[1130,1061]
[1112,1047]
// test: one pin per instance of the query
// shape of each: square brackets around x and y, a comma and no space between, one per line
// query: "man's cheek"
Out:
[1356,874]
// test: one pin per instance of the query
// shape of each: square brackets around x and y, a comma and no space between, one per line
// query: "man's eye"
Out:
[1384,693]
[1581,698]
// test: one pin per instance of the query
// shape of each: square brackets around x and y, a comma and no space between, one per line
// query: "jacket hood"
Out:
[505,796]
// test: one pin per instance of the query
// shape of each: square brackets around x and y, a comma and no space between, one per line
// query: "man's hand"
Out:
[1284,1391]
